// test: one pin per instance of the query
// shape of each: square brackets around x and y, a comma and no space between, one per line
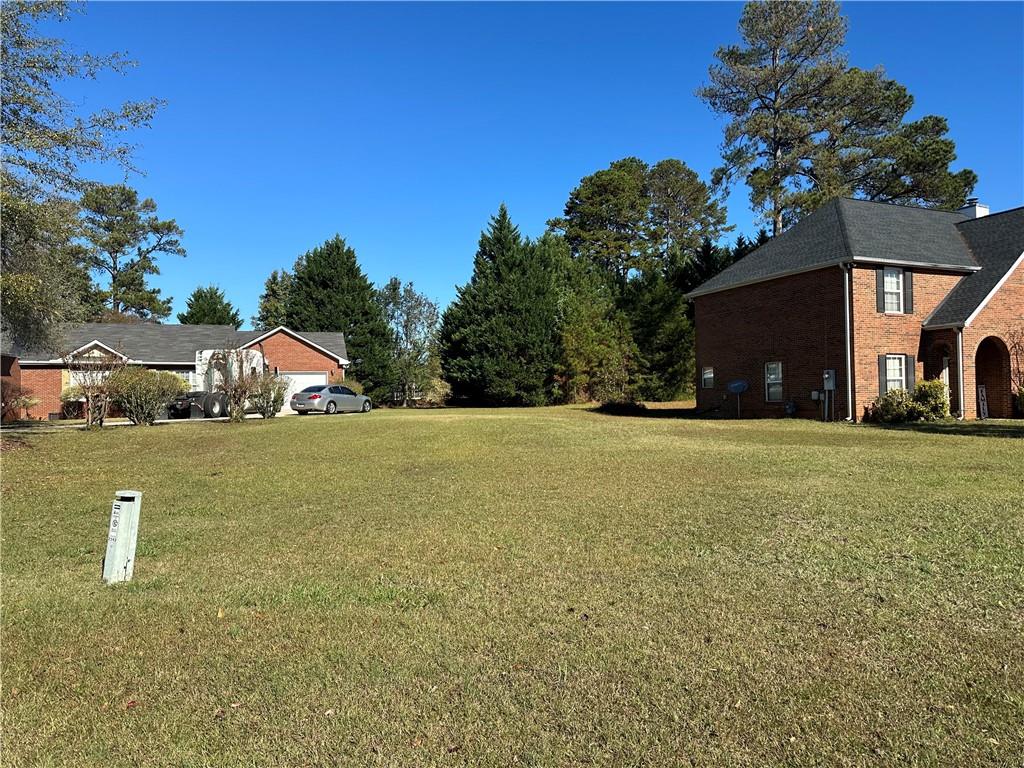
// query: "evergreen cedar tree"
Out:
[329,292]
[273,305]
[209,306]
[499,341]
[43,283]
[804,127]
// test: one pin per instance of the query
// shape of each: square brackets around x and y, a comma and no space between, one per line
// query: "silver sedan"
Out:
[332,398]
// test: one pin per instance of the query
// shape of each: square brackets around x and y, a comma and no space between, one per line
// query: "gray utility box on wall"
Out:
[119,562]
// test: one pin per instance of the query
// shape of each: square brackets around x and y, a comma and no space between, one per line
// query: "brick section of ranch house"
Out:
[875,333]
[286,353]
[796,320]
[45,384]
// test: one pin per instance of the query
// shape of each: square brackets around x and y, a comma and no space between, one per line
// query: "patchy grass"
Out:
[534,587]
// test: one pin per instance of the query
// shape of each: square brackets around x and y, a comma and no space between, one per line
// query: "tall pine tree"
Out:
[329,292]
[804,127]
[499,339]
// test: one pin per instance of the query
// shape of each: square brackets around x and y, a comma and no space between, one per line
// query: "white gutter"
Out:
[960,370]
[849,346]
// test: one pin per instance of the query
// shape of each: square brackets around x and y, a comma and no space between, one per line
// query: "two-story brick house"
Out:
[878,295]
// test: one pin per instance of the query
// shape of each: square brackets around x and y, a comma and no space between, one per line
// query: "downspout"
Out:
[849,343]
[960,371]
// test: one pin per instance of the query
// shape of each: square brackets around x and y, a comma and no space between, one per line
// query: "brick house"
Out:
[302,358]
[880,296]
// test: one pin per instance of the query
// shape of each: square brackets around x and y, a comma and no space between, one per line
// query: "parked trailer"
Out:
[213,368]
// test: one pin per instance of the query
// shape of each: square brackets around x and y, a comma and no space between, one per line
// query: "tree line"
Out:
[592,309]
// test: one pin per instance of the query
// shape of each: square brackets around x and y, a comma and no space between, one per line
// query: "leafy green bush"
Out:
[142,394]
[927,402]
[896,406]
[931,400]
[267,395]
[352,384]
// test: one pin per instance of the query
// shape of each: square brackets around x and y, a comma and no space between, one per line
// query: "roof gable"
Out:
[997,243]
[331,343]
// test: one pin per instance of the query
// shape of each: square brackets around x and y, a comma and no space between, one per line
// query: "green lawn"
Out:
[531,587]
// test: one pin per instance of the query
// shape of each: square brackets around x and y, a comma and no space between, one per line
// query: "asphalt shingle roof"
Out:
[997,242]
[151,342]
[845,230]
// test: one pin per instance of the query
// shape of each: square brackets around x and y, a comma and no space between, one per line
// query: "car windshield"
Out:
[313,389]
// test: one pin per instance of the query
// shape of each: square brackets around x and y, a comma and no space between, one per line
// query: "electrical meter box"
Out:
[829,379]
[119,561]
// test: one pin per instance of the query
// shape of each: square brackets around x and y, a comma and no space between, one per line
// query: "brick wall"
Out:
[876,333]
[1003,314]
[45,384]
[286,353]
[796,320]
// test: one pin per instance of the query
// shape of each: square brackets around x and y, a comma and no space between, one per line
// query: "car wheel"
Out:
[366,406]
[213,407]
[332,407]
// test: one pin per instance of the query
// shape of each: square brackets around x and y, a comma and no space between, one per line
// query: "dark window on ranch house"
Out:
[773,382]
[707,378]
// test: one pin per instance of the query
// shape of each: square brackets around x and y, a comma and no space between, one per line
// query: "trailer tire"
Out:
[213,406]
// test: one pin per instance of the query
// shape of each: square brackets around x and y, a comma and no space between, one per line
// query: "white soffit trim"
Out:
[995,289]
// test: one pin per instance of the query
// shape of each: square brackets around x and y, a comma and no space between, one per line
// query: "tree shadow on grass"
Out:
[988,428]
[647,412]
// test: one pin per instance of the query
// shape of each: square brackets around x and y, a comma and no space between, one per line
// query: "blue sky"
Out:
[403,126]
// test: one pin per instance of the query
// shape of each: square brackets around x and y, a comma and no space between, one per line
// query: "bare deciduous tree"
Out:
[90,379]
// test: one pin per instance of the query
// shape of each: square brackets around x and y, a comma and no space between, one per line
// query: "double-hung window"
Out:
[707,378]
[895,372]
[773,382]
[892,285]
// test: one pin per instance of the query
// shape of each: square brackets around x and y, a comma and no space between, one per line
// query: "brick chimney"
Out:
[974,209]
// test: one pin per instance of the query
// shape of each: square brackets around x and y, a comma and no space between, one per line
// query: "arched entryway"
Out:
[992,370]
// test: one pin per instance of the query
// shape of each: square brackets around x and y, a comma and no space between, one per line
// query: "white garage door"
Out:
[299,380]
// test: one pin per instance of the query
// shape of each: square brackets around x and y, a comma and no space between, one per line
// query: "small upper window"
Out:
[892,286]
[707,378]
[773,382]
[895,372]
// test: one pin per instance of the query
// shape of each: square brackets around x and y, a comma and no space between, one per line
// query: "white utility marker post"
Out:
[119,562]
